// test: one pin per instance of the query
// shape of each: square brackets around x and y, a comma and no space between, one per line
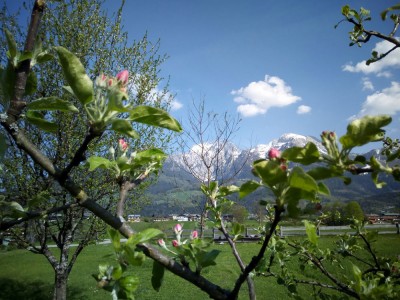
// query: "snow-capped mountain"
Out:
[213,161]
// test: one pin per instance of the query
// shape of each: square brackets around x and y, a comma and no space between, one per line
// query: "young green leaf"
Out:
[143,236]
[305,155]
[115,238]
[52,103]
[301,180]
[124,127]
[155,117]
[31,83]
[157,276]
[38,119]
[12,45]
[99,162]
[365,130]
[248,187]
[75,75]
[311,232]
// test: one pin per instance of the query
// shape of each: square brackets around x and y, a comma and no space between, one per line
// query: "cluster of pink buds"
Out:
[123,145]
[178,234]
[330,135]
[121,79]
[275,154]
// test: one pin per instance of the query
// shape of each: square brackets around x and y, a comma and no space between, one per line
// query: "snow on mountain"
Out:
[226,161]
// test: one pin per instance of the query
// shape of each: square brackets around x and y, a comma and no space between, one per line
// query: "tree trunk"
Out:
[60,285]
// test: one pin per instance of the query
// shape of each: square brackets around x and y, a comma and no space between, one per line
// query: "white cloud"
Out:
[367,84]
[379,67]
[257,97]
[382,102]
[176,105]
[303,109]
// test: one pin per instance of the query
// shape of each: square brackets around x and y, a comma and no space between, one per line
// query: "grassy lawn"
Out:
[28,276]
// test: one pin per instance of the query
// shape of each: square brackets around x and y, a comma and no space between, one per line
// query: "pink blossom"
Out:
[177,228]
[175,243]
[273,153]
[123,145]
[123,77]
[195,234]
[161,243]
[283,167]
[110,82]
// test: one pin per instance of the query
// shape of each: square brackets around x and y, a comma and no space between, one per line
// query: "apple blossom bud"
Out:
[161,243]
[283,167]
[101,81]
[175,243]
[112,151]
[274,153]
[123,77]
[123,145]
[194,235]
[177,228]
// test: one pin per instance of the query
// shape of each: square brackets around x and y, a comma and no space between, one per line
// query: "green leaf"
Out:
[124,127]
[365,130]
[228,190]
[311,232]
[143,236]
[31,83]
[11,209]
[129,284]
[12,45]
[269,171]
[75,75]
[157,276]
[323,189]
[7,84]
[117,272]
[38,119]
[52,103]
[155,117]
[134,258]
[205,259]
[99,162]
[301,180]
[115,238]
[248,187]
[237,228]
[305,155]
[394,7]
[320,173]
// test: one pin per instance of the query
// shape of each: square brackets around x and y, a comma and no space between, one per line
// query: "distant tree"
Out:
[351,210]
[98,40]
[239,212]
[205,146]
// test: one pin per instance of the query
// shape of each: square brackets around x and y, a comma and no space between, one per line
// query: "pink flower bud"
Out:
[194,234]
[123,145]
[283,167]
[123,77]
[273,153]
[175,243]
[177,228]
[161,243]
[110,82]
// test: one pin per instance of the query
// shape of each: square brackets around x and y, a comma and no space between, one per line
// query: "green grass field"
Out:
[28,276]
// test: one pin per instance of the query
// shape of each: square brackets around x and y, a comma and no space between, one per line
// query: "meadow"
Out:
[28,276]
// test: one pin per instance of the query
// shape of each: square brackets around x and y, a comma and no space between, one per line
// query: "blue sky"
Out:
[280,65]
